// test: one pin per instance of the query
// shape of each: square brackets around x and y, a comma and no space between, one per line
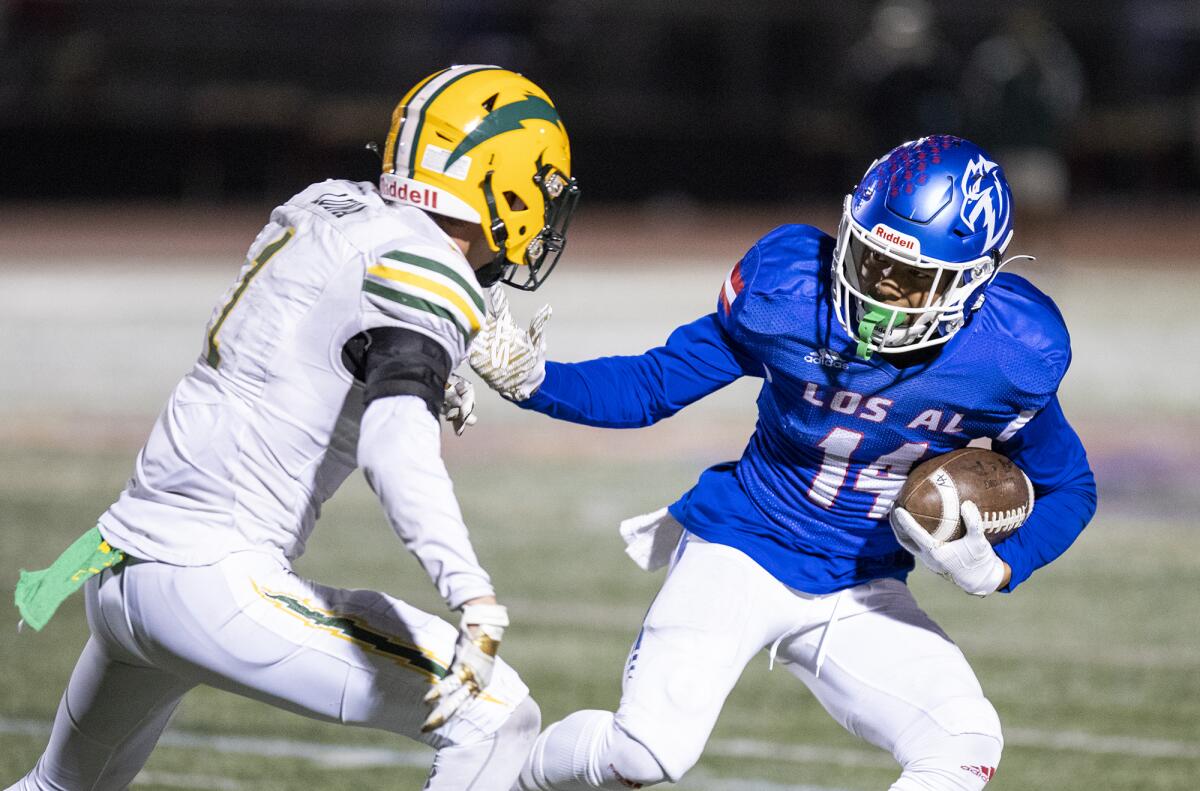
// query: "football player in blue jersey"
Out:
[896,341]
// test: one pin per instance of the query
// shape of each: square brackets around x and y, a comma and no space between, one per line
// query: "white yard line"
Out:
[330,754]
[703,781]
[796,753]
[1077,741]
[174,780]
[325,754]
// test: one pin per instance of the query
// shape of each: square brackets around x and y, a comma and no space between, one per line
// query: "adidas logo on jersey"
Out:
[986,772]
[827,358]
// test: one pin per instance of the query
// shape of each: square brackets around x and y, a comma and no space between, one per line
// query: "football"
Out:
[999,488]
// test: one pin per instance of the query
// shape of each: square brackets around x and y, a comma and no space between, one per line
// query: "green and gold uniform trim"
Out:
[392,143]
[429,286]
[416,137]
[416,303]
[408,656]
[214,349]
[470,290]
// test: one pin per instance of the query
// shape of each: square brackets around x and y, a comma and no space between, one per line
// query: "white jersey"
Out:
[265,427]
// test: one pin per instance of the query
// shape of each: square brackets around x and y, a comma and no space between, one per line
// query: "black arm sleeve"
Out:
[393,361]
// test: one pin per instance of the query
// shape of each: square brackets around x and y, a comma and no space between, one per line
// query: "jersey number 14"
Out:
[884,477]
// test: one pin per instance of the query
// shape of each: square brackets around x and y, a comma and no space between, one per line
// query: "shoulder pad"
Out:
[337,198]
[428,287]
[787,261]
[1018,312]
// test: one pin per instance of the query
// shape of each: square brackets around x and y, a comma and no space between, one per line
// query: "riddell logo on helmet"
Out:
[400,191]
[885,233]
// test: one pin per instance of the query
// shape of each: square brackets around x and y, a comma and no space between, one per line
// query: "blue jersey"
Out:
[836,434]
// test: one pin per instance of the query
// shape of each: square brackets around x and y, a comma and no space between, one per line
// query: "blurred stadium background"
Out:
[144,143]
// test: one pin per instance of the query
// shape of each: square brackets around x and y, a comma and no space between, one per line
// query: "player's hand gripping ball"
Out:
[935,491]
[954,507]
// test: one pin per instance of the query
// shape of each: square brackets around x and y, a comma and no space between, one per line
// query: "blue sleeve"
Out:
[1050,453]
[630,392]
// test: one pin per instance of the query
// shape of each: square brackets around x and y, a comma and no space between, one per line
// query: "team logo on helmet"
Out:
[505,119]
[983,199]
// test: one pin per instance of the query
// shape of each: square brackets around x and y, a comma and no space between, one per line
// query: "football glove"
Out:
[510,359]
[479,635]
[458,404]
[969,562]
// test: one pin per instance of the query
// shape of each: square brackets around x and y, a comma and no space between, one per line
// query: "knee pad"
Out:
[630,761]
[956,747]
[587,750]
[490,764]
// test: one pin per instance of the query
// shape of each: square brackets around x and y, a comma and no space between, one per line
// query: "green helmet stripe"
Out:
[505,119]
[412,153]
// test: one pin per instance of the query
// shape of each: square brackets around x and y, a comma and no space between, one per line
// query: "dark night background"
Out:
[704,102]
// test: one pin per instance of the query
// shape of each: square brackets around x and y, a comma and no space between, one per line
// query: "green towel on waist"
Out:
[40,592]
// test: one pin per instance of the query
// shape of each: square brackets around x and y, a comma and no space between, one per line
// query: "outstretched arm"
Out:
[639,390]
[1050,453]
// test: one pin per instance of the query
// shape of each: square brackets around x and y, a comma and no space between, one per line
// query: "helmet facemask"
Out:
[880,326]
[511,218]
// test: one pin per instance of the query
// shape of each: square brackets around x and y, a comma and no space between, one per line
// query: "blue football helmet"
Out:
[939,204]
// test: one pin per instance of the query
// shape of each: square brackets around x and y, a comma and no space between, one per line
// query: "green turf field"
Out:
[1093,666]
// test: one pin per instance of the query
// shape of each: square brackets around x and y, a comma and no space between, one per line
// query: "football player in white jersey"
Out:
[331,350]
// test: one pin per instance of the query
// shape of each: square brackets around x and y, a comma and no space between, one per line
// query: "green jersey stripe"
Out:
[416,138]
[409,301]
[214,350]
[359,633]
[437,266]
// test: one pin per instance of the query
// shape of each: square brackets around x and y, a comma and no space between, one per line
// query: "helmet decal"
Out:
[897,239]
[983,195]
[508,118]
[938,203]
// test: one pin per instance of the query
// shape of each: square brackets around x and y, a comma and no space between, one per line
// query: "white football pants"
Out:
[877,663]
[249,625]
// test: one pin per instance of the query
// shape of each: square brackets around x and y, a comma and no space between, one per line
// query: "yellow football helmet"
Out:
[484,144]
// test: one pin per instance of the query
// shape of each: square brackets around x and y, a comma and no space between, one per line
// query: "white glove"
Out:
[969,562]
[458,404]
[479,635]
[510,359]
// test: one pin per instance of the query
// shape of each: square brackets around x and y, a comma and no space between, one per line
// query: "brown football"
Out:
[999,488]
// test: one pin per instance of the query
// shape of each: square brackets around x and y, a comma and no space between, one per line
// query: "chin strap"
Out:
[496,226]
[490,273]
[494,270]
[869,323]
